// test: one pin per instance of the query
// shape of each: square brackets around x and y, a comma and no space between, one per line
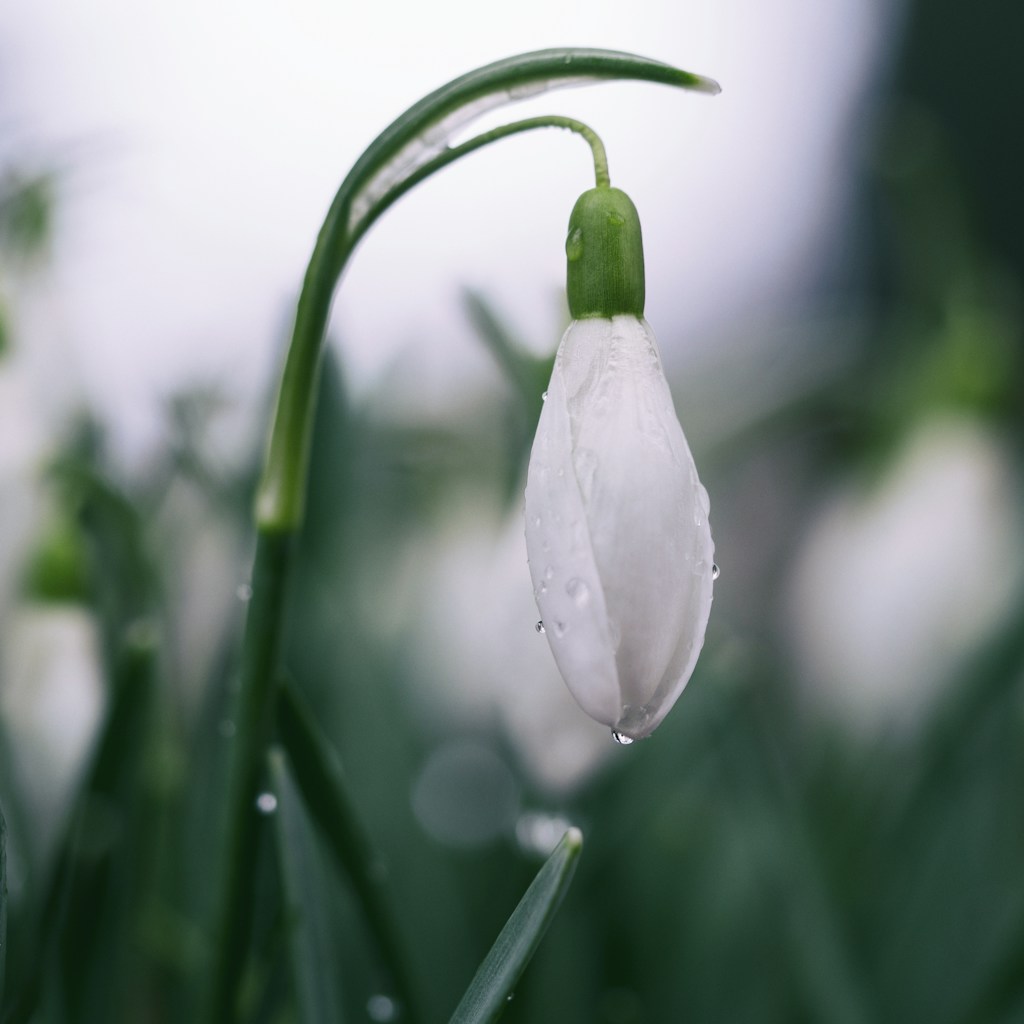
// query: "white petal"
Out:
[617,533]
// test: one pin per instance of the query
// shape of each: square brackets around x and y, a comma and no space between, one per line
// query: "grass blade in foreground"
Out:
[80,878]
[314,974]
[495,980]
[319,778]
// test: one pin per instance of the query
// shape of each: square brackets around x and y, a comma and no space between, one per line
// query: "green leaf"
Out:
[424,129]
[314,970]
[83,892]
[495,981]
[322,784]
[527,374]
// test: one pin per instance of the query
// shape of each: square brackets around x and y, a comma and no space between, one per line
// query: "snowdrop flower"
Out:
[617,531]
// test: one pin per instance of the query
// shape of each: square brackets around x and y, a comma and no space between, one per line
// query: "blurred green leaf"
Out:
[495,981]
[319,778]
[527,374]
[84,917]
[26,213]
[315,970]
[58,570]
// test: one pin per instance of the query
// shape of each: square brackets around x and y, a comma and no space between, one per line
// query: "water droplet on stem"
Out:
[381,1008]
[266,803]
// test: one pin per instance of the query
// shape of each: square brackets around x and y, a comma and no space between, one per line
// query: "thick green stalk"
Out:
[253,726]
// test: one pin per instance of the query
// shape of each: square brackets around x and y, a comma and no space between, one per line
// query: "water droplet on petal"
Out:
[540,626]
[549,572]
[715,571]
[621,737]
[266,803]
[578,591]
[543,396]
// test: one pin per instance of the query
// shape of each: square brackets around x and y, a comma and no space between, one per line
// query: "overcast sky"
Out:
[205,141]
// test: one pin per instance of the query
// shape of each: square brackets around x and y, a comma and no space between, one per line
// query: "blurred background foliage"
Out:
[827,828]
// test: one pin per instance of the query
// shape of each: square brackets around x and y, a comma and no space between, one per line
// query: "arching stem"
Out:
[409,150]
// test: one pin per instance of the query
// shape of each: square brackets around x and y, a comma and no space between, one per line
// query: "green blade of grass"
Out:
[67,911]
[314,974]
[495,980]
[319,778]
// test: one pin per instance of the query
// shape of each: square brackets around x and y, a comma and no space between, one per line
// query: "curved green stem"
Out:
[410,149]
[450,155]
[408,144]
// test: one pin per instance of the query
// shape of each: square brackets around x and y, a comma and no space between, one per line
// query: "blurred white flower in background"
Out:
[51,702]
[901,577]
[487,663]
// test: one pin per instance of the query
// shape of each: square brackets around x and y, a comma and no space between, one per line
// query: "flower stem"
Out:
[253,727]
[450,155]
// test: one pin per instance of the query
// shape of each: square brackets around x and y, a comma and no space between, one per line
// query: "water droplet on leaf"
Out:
[381,1008]
[266,803]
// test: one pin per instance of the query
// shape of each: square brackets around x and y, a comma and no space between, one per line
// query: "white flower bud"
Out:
[617,531]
